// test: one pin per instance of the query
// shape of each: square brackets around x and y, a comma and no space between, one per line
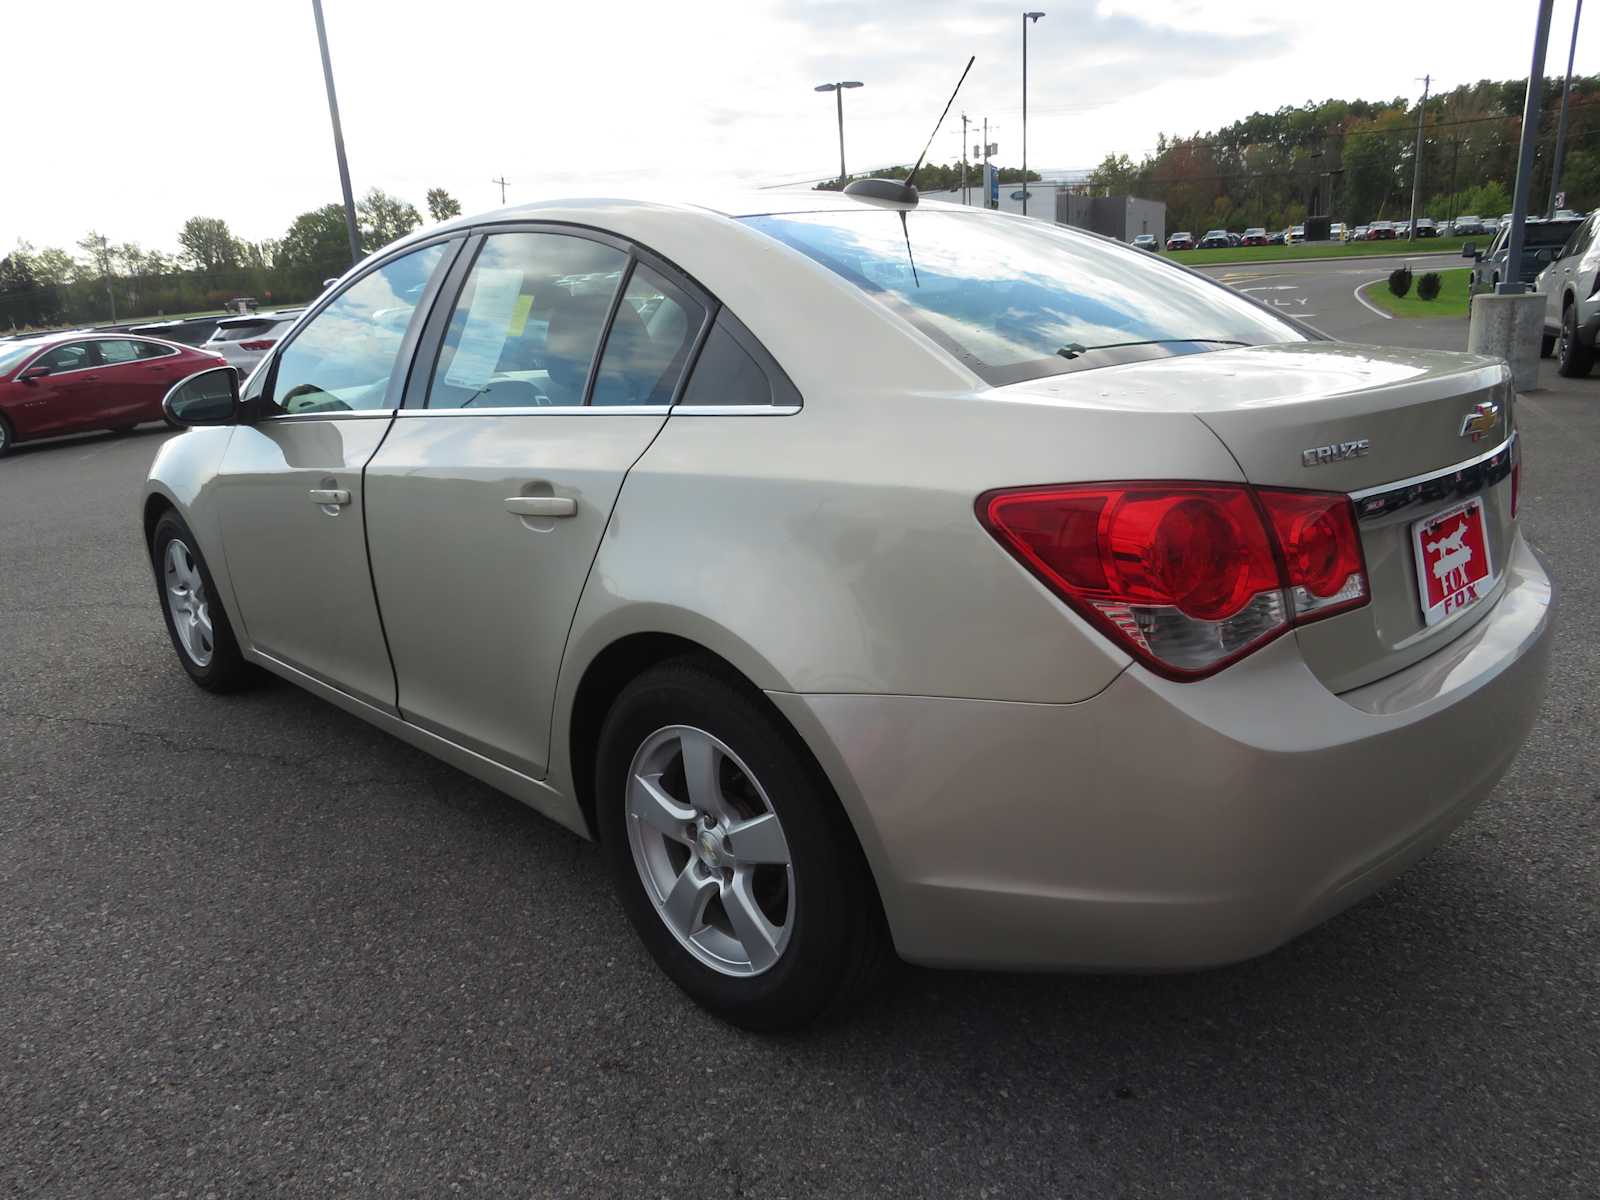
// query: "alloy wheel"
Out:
[710,851]
[187,603]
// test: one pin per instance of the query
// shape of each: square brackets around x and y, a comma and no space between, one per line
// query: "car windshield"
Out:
[11,355]
[1017,300]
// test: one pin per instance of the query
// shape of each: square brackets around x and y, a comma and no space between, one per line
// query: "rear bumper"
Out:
[1165,826]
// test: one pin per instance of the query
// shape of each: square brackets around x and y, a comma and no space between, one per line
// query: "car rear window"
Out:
[1548,233]
[1017,300]
[239,331]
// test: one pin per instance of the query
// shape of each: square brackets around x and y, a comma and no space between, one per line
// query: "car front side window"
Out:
[527,325]
[74,356]
[342,360]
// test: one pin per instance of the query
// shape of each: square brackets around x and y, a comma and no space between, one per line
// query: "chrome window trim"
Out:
[587,410]
[354,414]
[1472,475]
[736,410]
[543,410]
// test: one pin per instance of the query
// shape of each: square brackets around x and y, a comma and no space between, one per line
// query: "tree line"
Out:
[1353,160]
[101,279]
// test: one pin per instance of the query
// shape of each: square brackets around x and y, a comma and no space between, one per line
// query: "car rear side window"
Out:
[1016,300]
[114,351]
[342,360]
[649,342]
[146,350]
[734,369]
[527,325]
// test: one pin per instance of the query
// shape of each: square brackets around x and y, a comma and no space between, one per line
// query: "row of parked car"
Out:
[1376,231]
[84,380]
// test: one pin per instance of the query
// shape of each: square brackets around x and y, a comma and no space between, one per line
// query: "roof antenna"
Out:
[905,192]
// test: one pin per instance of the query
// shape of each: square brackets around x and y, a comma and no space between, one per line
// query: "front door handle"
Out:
[338,497]
[542,506]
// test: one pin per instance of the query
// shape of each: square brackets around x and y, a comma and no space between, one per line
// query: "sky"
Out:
[146,114]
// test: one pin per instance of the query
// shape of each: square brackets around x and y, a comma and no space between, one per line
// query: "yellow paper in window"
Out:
[519,315]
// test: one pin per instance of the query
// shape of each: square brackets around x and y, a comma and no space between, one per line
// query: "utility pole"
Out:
[502,182]
[1027,19]
[986,162]
[338,138]
[1416,165]
[1511,284]
[1455,156]
[1561,123]
[965,198]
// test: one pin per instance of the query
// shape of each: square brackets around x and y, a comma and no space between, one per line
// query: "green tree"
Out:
[1116,174]
[53,265]
[317,240]
[383,218]
[208,244]
[101,256]
[442,205]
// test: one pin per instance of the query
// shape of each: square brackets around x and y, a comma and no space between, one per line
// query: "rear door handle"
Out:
[542,506]
[335,496]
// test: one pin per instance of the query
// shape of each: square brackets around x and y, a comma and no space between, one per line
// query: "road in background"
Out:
[1323,295]
[250,945]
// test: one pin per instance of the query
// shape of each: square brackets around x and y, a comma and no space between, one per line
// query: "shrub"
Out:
[1400,280]
[1428,286]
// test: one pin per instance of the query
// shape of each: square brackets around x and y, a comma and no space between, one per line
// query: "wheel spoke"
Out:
[759,840]
[701,761]
[648,801]
[685,905]
[757,935]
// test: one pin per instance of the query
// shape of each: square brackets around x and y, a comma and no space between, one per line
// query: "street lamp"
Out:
[1027,19]
[838,94]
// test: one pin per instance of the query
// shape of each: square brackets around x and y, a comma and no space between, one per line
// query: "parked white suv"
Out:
[244,341]
[1572,310]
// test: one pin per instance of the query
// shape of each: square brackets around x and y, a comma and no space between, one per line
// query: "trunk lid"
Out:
[1386,426]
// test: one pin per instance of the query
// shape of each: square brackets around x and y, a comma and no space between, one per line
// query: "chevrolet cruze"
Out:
[874,577]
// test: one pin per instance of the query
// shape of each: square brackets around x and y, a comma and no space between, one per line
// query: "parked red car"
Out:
[77,382]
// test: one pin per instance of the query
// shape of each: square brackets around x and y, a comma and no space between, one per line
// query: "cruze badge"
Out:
[1320,456]
[1483,420]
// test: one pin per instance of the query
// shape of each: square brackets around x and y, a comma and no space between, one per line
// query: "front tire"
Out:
[1547,345]
[195,618]
[7,438]
[731,854]
[1573,359]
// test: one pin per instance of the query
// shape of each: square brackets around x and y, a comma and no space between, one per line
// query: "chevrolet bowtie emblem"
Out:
[1483,420]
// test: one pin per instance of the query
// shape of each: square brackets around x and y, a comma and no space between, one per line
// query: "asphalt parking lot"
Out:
[253,947]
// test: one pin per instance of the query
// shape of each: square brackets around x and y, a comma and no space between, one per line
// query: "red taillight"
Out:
[1323,566]
[1188,577]
[261,344]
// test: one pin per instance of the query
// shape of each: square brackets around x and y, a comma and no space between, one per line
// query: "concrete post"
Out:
[1509,327]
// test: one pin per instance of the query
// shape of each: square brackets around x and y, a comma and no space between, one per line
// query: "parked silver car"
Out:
[865,574]
[1571,288]
[244,341]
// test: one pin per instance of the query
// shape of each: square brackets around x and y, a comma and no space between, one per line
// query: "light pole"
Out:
[338,137]
[1416,163]
[1561,123]
[838,94]
[1028,18]
[1512,284]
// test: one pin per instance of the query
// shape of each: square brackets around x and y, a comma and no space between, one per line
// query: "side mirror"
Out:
[33,373]
[210,397]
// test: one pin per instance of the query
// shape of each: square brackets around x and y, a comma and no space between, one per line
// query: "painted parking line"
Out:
[1367,304]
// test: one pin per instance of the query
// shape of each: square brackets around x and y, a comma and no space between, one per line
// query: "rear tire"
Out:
[772,935]
[7,438]
[1573,359]
[1547,345]
[196,620]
